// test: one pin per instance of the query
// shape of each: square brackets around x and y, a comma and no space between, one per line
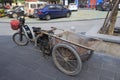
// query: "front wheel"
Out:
[14,15]
[20,39]
[68,14]
[66,59]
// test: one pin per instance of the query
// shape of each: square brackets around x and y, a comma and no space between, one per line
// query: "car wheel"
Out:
[9,16]
[47,17]
[40,18]
[34,16]
[68,14]
[14,15]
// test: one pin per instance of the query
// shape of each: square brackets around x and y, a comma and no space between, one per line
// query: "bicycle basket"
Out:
[15,24]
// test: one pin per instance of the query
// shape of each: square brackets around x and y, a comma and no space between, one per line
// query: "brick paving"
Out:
[28,63]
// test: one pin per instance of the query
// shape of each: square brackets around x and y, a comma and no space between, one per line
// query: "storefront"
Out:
[93,3]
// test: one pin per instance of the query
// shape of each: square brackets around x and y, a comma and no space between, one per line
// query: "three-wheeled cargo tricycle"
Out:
[68,49]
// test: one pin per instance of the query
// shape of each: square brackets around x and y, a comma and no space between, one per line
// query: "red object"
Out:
[7,6]
[15,24]
[92,4]
[39,12]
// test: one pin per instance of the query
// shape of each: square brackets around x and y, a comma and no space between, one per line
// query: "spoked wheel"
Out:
[20,39]
[66,59]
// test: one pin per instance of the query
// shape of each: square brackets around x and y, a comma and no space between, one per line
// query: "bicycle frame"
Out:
[28,33]
[24,29]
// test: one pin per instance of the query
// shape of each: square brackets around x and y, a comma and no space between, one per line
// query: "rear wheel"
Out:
[47,17]
[20,39]
[66,59]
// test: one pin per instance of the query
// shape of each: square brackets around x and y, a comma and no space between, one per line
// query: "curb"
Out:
[31,22]
[56,21]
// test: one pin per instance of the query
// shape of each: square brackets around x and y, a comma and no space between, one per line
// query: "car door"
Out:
[59,11]
[52,11]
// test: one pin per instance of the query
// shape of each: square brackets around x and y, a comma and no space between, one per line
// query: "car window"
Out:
[26,4]
[14,7]
[72,4]
[52,7]
[19,8]
[22,8]
[33,5]
[59,7]
[40,6]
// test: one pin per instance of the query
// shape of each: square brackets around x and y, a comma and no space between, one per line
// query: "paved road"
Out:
[80,26]
[28,63]
[79,15]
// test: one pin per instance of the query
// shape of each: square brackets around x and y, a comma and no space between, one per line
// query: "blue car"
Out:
[52,11]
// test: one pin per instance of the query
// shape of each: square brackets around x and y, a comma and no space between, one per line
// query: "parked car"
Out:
[7,10]
[72,7]
[52,11]
[30,6]
[82,5]
[105,6]
[14,13]
[119,6]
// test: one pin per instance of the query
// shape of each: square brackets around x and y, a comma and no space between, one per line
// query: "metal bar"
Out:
[88,48]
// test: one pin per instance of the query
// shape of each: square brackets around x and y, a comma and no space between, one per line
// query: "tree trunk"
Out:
[109,23]
[110,30]
[113,19]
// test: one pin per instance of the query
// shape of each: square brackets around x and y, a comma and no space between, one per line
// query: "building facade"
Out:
[80,3]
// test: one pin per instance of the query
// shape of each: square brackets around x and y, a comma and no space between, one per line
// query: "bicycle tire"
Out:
[17,41]
[74,56]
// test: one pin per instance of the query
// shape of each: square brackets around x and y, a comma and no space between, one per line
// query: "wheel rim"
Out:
[19,41]
[48,17]
[68,14]
[66,61]
[14,15]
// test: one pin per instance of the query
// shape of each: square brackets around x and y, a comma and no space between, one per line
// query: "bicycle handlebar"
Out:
[22,19]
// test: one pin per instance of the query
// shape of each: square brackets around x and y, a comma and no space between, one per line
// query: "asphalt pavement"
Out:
[28,63]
